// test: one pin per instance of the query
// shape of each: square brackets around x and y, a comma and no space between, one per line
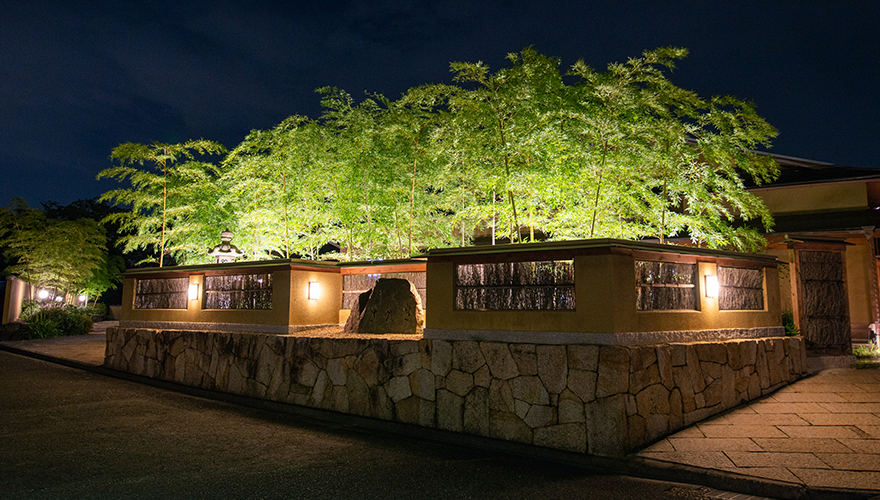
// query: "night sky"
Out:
[79,78]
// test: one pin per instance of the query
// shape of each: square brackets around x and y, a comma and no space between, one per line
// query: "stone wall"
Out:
[602,400]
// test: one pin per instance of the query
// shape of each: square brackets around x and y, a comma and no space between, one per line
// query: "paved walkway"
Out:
[822,431]
[87,349]
[816,438]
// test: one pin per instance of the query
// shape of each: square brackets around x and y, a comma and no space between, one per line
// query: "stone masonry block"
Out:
[582,383]
[565,436]
[712,351]
[613,372]
[525,358]
[467,356]
[679,354]
[653,399]
[529,390]
[509,427]
[552,367]
[449,411]
[664,365]
[483,377]
[643,378]
[571,408]
[500,361]
[441,359]
[476,412]
[642,357]
[696,374]
[583,357]
[607,426]
[500,396]
[421,383]
[459,382]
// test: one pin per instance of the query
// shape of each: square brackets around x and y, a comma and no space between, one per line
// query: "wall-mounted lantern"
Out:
[314,290]
[193,291]
[711,286]
[43,294]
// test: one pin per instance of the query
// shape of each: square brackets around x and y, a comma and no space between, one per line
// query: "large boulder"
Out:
[393,306]
[357,312]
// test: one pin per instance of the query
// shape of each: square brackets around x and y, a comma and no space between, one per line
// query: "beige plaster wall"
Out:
[605,303]
[814,197]
[858,282]
[290,302]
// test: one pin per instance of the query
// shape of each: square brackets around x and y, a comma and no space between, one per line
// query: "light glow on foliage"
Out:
[518,154]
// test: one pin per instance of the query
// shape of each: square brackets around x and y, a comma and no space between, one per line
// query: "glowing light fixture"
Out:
[83,298]
[712,286]
[314,290]
[43,294]
[193,291]
[58,298]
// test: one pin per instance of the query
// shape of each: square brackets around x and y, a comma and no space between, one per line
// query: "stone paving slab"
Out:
[810,397]
[861,397]
[771,407]
[765,459]
[838,478]
[807,445]
[851,461]
[742,431]
[765,419]
[860,419]
[820,432]
[775,473]
[851,407]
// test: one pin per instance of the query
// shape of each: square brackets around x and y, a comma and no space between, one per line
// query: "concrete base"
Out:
[819,363]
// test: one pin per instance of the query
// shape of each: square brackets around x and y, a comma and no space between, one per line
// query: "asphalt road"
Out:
[66,433]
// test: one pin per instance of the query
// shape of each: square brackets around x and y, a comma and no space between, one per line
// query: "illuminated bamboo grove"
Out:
[517,152]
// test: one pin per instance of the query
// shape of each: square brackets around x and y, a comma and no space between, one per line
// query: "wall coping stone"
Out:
[222,327]
[621,339]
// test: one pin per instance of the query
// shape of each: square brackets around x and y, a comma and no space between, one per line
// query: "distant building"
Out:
[822,210]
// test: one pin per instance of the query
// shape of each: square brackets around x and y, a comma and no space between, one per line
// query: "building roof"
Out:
[794,171]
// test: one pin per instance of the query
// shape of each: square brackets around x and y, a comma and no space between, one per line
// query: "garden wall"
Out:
[603,400]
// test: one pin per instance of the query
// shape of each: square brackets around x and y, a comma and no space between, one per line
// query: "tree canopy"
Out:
[69,256]
[526,152]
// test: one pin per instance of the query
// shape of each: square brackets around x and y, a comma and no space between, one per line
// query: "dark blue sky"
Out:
[79,78]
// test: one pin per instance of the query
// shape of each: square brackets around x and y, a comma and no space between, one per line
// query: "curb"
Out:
[634,466]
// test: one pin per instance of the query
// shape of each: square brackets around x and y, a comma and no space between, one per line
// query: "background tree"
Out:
[67,256]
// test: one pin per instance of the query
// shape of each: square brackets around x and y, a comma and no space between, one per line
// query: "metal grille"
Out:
[541,285]
[740,289]
[161,293]
[238,291]
[665,286]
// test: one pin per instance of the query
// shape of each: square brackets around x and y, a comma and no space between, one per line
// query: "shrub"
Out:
[866,351]
[57,321]
[788,322]
[29,307]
